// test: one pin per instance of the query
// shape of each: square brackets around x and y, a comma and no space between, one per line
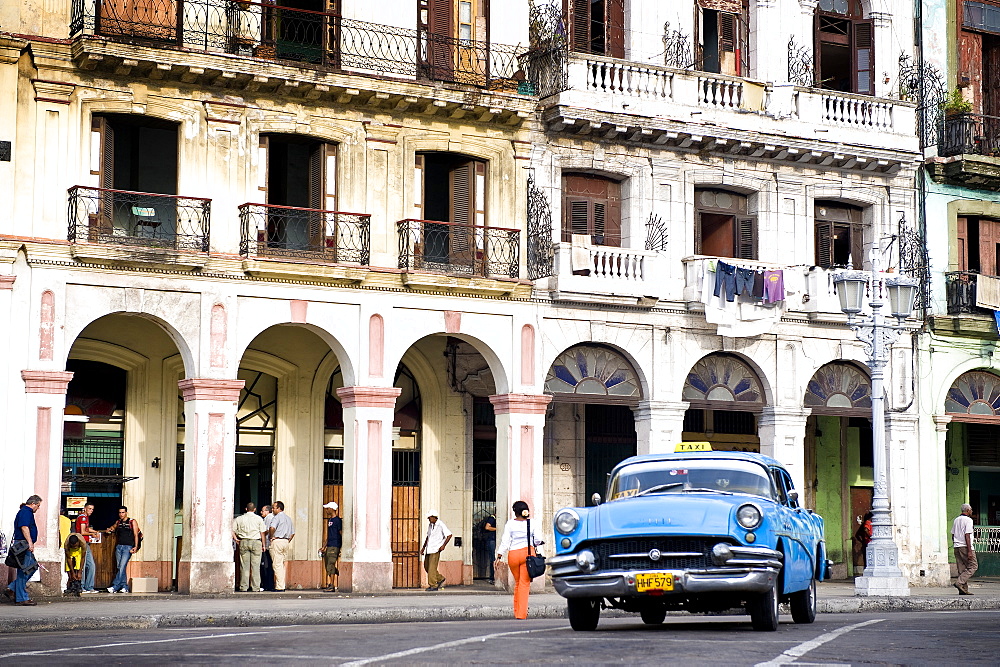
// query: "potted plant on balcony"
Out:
[959,125]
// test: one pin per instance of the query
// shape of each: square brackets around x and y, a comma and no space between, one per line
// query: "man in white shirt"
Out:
[438,537]
[281,532]
[965,554]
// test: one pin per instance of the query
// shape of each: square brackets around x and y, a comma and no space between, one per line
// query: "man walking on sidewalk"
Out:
[281,533]
[437,539]
[965,554]
[248,531]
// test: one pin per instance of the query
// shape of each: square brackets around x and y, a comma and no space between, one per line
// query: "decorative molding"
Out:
[521,404]
[207,389]
[368,397]
[7,282]
[452,321]
[46,382]
[56,92]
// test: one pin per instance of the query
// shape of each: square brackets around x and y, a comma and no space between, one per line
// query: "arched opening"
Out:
[972,451]
[839,460]
[590,426]
[725,397]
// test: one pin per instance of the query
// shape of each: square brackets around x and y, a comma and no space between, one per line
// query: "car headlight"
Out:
[749,516]
[566,521]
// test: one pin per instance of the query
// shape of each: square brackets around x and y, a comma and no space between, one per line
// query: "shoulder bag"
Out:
[534,562]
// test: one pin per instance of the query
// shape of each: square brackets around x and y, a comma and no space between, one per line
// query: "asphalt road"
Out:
[924,638]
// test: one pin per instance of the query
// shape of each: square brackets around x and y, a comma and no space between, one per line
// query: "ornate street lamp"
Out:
[882,575]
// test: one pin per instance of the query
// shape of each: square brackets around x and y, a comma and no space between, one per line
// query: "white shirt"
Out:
[961,528]
[437,533]
[515,536]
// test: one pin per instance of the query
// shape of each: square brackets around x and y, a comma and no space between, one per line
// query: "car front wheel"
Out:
[763,610]
[803,604]
[584,613]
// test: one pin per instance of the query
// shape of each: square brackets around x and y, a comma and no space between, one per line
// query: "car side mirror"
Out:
[596,499]
[793,495]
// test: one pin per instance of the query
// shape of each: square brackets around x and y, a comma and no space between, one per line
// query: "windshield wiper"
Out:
[726,493]
[659,487]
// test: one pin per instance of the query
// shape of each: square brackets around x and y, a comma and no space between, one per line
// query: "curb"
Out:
[433,614]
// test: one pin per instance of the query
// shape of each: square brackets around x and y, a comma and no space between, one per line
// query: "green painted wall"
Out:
[829,495]
[956,485]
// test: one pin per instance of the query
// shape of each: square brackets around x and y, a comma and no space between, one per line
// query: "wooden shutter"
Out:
[697,233]
[578,15]
[857,247]
[461,208]
[317,196]
[418,186]
[746,238]
[824,245]
[103,142]
[263,166]
[440,38]
[614,17]
[962,243]
[613,216]
[864,57]
[989,246]
[727,24]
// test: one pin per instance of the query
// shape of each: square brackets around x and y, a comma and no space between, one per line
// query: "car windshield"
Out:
[690,475]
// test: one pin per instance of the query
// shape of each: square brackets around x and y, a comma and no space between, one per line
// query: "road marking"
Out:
[789,656]
[135,643]
[445,645]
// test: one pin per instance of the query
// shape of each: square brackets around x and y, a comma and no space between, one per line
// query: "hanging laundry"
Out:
[774,286]
[725,280]
[744,281]
[758,285]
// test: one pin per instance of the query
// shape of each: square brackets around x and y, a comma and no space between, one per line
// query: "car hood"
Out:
[687,514]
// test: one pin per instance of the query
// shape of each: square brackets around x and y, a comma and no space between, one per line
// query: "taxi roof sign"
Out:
[692,447]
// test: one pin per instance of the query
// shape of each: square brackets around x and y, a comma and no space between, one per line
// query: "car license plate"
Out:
[654,581]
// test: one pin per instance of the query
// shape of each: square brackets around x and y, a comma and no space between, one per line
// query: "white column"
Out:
[782,437]
[520,420]
[934,509]
[45,400]
[368,415]
[206,564]
[658,426]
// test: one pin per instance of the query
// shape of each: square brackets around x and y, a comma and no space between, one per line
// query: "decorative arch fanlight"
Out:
[976,393]
[593,370]
[837,387]
[724,378]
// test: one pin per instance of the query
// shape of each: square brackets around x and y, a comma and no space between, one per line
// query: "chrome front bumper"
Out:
[751,570]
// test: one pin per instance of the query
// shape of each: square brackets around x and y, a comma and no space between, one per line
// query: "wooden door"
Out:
[989,246]
[861,504]
[406,538]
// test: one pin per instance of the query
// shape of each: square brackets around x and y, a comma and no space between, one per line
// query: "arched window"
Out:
[593,370]
[839,388]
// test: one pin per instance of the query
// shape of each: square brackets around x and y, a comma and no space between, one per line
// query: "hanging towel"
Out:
[988,292]
[579,259]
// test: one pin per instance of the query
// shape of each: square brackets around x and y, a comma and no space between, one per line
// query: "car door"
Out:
[802,529]
[790,529]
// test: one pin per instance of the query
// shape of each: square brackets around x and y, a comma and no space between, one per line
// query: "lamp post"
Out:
[882,575]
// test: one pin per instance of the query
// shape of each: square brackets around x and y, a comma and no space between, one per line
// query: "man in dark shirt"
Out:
[25,536]
[331,548]
[126,533]
[490,537]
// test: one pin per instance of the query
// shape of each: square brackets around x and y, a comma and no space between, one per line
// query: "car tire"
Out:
[653,615]
[763,610]
[803,604]
[584,613]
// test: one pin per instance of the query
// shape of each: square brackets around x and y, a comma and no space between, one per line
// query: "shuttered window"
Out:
[592,207]
[596,26]
[839,236]
[723,228]
[978,243]
[984,449]
[721,38]
[845,48]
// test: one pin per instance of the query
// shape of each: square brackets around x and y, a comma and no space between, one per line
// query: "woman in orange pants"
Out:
[515,544]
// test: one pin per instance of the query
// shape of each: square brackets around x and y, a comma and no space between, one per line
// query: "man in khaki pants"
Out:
[248,532]
[281,533]
[965,554]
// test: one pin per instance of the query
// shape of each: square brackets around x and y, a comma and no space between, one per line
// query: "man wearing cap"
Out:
[438,537]
[248,531]
[331,548]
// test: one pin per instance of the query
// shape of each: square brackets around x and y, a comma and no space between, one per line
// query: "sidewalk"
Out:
[169,610]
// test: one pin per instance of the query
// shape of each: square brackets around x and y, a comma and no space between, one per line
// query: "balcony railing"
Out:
[960,288]
[970,133]
[304,233]
[267,31]
[448,247]
[141,219]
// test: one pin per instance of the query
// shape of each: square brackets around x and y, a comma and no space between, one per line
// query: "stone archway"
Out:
[725,396]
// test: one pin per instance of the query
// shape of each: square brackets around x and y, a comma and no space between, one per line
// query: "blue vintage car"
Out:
[701,531]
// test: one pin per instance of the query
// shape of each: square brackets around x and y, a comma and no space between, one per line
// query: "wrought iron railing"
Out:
[960,287]
[986,539]
[267,31]
[141,219]
[456,248]
[970,133]
[304,233]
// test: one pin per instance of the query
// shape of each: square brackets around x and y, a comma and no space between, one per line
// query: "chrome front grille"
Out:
[677,553]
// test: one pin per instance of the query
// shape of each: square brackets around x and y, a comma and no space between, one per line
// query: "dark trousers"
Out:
[266,572]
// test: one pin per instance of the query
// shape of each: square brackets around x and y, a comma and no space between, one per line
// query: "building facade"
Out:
[444,253]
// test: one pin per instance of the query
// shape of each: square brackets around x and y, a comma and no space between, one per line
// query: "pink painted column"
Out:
[209,475]
[368,416]
[45,400]
[520,420]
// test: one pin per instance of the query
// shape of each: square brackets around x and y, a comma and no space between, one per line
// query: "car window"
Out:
[787,481]
[779,487]
[683,475]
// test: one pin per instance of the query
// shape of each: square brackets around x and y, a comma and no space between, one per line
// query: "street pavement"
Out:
[105,611]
